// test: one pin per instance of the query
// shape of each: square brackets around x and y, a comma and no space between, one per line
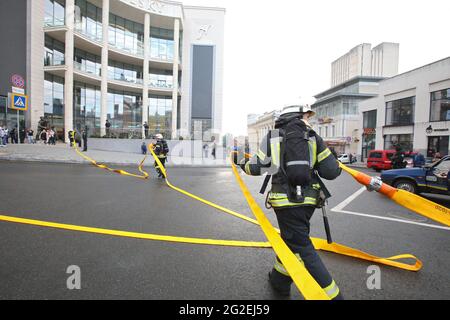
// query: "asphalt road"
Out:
[34,260]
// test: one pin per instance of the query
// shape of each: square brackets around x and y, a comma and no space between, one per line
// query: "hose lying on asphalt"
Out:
[408,200]
[304,281]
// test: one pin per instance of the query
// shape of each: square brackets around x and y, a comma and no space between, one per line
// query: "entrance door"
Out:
[438,144]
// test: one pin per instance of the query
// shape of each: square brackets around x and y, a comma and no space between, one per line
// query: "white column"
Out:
[68,83]
[146,73]
[104,85]
[176,59]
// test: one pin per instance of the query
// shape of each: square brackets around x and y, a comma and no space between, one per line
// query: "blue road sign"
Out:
[19,102]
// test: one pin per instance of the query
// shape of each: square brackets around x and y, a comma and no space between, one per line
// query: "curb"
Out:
[55,161]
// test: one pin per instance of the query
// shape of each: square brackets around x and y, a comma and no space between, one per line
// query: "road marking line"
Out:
[339,208]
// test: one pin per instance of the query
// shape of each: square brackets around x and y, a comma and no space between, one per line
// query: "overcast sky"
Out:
[278,52]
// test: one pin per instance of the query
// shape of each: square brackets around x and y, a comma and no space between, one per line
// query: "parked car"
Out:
[380,159]
[344,158]
[432,178]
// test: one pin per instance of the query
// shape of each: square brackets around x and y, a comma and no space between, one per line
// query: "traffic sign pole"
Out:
[18,128]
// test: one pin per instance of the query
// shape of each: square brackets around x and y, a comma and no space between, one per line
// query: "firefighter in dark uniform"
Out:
[161,150]
[296,157]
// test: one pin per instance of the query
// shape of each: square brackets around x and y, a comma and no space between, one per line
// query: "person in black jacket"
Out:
[161,150]
[296,157]
[398,159]
[85,138]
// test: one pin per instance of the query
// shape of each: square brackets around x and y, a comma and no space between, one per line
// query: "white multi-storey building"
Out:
[363,61]
[412,110]
[127,62]
[354,78]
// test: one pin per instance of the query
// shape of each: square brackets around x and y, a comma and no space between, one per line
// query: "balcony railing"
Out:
[52,62]
[127,80]
[139,51]
[53,22]
[85,34]
[161,84]
[123,133]
[79,66]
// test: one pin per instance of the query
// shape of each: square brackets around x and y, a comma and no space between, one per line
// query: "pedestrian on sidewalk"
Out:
[14,135]
[144,148]
[2,134]
[52,136]
[146,127]
[43,136]
[70,135]
[108,126]
[213,152]
[30,136]
[5,136]
[85,139]
[78,139]
[205,150]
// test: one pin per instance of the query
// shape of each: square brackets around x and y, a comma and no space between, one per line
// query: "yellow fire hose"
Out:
[304,281]
[404,198]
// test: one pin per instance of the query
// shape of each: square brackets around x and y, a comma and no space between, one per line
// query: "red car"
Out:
[380,159]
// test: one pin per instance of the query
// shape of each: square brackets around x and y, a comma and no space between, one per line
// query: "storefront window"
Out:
[400,112]
[369,132]
[54,52]
[440,105]
[54,13]
[87,106]
[125,114]
[160,115]
[54,103]
[438,144]
[405,141]
[88,19]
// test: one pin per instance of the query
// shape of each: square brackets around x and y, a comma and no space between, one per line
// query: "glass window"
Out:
[88,19]
[370,119]
[400,112]
[87,102]
[112,29]
[54,52]
[440,105]
[162,44]
[124,72]
[160,115]
[87,62]
[120,32]
[48,12]
[54,103]
[59,12]
[54,12]
[404,140]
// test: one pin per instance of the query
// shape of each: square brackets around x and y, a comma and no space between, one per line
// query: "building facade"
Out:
[411,109]
[337,117]
[258,127]
[354,78]
[123,61]
[363,61]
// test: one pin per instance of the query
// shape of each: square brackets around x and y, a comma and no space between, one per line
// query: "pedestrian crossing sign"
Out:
[19,102]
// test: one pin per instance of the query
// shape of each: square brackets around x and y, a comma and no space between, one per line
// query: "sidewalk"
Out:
[61,153]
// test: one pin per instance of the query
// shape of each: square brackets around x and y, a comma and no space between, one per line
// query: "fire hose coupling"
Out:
[375,184]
